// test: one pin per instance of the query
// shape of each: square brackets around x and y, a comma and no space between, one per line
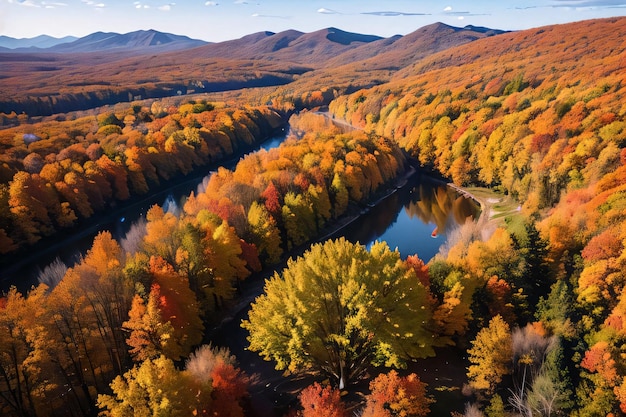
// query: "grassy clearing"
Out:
[501,209]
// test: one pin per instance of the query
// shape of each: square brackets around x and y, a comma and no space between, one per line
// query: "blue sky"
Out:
[219,20]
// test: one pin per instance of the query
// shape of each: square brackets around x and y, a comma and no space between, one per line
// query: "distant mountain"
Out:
[107,68]
[142,39]
[136,42]
[407,49]
[289,46]
[42,41]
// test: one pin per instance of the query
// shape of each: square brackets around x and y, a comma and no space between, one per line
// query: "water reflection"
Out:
[415,219]
[68,247]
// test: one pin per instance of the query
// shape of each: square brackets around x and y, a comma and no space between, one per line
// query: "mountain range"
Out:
[101,41]
[106,68]
[41,41]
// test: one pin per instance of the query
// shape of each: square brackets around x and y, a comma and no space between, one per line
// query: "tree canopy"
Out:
[339,309]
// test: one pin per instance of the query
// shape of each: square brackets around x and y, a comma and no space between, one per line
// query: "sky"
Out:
[220,20]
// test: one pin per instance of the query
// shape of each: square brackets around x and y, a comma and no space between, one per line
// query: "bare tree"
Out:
[467,233]
[472,410]
[131,242]
[535,391]
[200,363]
[52,274]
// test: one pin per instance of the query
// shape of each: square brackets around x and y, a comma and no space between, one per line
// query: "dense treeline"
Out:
[43,84]
[129,310]
[521,118]
[54,174]
[535,303]
[538,114]
[45,105]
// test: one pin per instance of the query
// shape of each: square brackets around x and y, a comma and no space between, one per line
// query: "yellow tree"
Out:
[108,294]
[17,382]
[265,233]
[162,237]
[153,388]
[339,309]
[490,356]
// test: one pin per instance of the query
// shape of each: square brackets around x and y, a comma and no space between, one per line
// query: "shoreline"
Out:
[12,264]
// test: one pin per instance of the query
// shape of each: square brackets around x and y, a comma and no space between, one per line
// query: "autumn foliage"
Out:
[539,300]
[57,174]
[394,396]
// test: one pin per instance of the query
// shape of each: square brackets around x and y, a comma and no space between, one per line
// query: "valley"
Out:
[341,268]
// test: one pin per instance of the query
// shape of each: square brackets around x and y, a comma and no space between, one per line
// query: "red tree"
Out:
[321,402]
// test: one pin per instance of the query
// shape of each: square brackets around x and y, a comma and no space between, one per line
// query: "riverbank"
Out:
[498,208]
[20,269]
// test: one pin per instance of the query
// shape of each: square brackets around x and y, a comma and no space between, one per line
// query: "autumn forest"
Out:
[530,302]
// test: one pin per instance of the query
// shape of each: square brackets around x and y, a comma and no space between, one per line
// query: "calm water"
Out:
[415,219]
[23,272]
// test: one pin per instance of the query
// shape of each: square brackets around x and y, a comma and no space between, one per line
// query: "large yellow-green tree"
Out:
[339,309]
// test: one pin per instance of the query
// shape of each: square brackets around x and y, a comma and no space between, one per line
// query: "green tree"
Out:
[339,309]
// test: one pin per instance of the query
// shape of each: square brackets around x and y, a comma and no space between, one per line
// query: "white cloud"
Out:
[270,16]
[393,13]
[166,7]
[211,3]
[94,4]
[324,10]
[448,9]
[53,5]
[28,3]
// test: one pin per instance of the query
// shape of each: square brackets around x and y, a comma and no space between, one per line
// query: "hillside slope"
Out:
[474,106]
[314,48]
[538,115]
[125,68]
[375,63]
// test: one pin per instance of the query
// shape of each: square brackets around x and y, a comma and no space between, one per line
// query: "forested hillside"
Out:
[532,112]
[58,173]
[46,83]
[531,303]
[538,114]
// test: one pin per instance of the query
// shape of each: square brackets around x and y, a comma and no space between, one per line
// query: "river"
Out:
[414,219]
[22,271]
